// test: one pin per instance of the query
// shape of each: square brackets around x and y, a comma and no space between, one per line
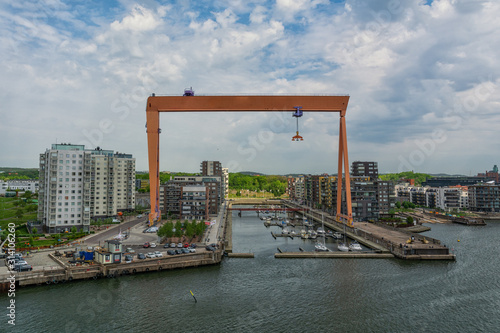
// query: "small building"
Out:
[111,253]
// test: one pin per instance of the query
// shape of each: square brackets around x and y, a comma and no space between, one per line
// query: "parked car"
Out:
[179,244]
[23,268]
[193,245]
[141,256]
[130,250]
[20,262]
[178,251]
[171,252]
[184,250]
[186,244]
[152,245]
[192,250]
[210,248]
[150,255]
[172,245]
[158,254]
[166,246]
[139,216]
[146,245]
[128,258]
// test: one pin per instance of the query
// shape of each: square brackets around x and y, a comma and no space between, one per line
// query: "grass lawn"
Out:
[8,212]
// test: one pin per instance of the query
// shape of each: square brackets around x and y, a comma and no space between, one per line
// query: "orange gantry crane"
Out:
[191,103]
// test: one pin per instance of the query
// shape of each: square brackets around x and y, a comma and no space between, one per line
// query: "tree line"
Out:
[419,177]
[178,229]
[274,184]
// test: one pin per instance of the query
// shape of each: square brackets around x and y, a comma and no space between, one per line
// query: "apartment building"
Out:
[214,168]
[368,169]
[78,184]
[171,194]
[370,196]
[484,198]
[18,184]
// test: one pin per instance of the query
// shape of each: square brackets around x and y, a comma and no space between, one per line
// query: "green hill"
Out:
[419,177]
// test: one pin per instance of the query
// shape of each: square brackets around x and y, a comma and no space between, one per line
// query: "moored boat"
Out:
[354,246]
[342,247]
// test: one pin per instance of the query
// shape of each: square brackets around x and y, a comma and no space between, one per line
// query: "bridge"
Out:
[270,209]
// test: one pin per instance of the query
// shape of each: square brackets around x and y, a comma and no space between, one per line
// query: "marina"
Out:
[365,240]
[243,293]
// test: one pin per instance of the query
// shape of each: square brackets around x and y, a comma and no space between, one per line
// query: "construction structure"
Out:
[191,103]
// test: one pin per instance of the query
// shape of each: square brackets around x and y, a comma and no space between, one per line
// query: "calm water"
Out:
[284,295]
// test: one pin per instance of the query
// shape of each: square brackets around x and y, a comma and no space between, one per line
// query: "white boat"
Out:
[320,231]
[342,247]
[337,235]
[312,234]
[293,233]
[321,247]
[303,234]
[354,246]
[285,231]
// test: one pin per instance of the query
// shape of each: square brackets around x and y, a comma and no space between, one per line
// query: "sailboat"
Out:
[342,246]
[321,246]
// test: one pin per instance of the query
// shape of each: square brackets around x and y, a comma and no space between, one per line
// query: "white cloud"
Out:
[140,19]
[410,70]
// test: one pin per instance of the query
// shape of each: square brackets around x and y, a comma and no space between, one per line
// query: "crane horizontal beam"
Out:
[247,103]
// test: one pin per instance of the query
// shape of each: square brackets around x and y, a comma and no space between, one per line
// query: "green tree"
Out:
[163,230]
[189,230]
[200,228]
[74,230]
[178,229]
[170,230]
[19,213]
[398,205]
[193,227]
[34,231]
[409,220]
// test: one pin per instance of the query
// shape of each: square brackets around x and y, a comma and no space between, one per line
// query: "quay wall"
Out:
[96,271]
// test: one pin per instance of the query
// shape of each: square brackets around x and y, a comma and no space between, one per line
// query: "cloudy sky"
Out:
[422,77]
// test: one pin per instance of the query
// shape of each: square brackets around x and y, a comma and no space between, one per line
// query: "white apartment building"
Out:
[18,184]
[77,184]
[225,182]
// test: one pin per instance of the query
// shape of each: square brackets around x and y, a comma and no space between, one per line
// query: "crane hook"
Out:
[297,114]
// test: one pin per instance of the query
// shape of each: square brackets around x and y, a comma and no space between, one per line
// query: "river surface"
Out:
[265,294]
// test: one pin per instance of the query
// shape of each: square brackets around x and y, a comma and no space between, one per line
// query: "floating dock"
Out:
[240,255]
[335,254]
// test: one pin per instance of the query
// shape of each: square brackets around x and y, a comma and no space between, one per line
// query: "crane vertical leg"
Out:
[347,175]
[339,175]
[153,130]
[343,157]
